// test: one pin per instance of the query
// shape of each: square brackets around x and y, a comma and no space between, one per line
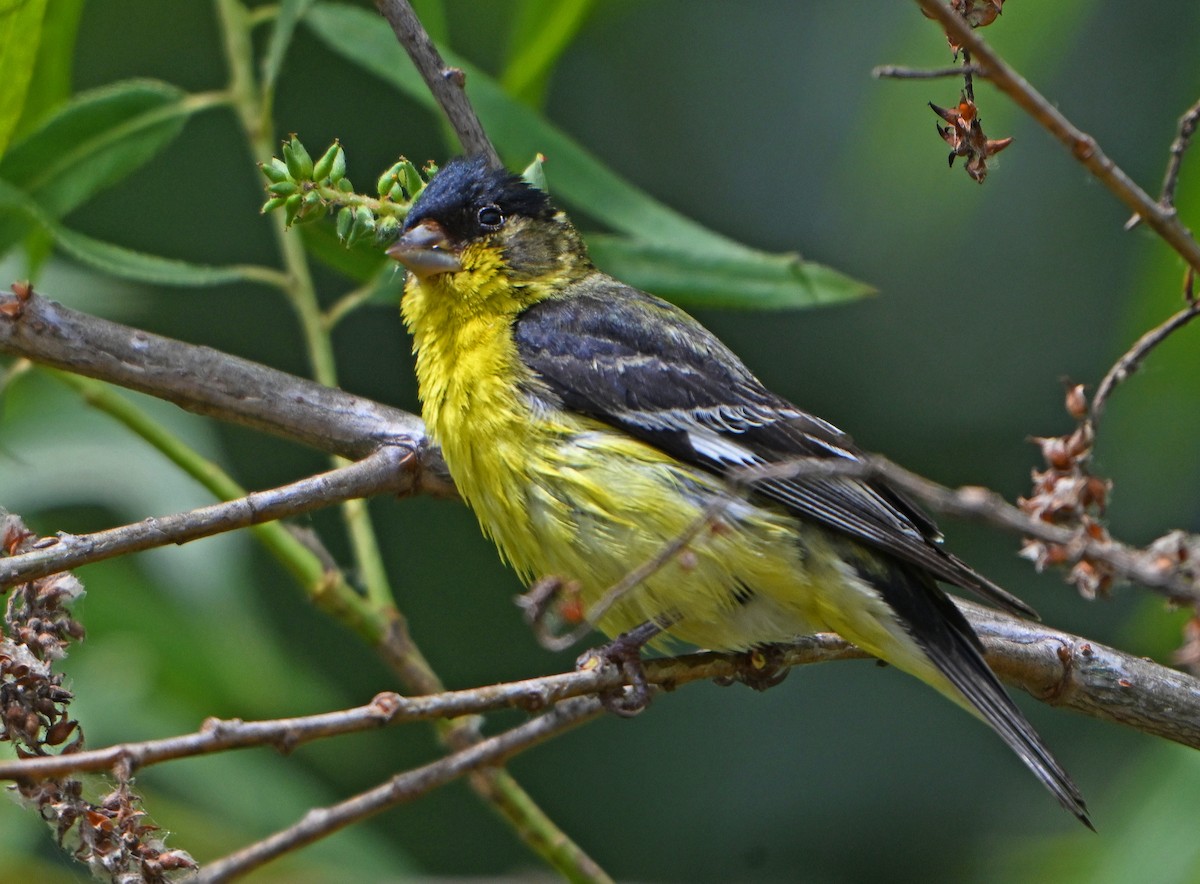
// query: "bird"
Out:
[589,424]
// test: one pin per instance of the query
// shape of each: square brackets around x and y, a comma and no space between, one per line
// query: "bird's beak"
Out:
[425,250]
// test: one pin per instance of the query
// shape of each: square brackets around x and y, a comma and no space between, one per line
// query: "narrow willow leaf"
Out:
[120,261]
[359,262]
[542,31]
[576,175]
[20,35]
[705,279]
[51,83]
[143,267]
[94,141]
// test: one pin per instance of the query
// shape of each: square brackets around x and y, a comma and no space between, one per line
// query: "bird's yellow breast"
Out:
[564,495]
[466,365]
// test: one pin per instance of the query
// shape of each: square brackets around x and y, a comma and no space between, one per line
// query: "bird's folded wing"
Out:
[632,361]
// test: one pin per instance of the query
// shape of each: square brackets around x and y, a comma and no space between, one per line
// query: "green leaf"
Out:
[708,279]
[289,15]
[51,82]
[542,30]
[94,141]
[699,265]
[20,34]
[118,260]
[143,267]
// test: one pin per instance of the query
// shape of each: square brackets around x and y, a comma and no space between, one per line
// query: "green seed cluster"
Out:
[308,191]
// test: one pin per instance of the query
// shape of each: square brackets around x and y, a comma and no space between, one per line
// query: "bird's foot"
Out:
[760,669]
[625,653]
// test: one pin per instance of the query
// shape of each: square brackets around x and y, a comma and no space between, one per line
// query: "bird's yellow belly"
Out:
[596,504]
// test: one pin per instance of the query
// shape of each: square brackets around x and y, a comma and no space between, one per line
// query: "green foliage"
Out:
[94,141]
[86,146]
[993,293]
[289,15]
[20,36]
[705,279]
[541,32]
[115,260]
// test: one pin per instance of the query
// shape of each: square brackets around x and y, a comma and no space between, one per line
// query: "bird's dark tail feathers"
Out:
[952,646]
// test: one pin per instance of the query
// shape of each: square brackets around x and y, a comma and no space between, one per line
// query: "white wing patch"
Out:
[720,448]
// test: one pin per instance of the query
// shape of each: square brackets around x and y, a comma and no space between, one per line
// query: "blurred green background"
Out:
[762,122]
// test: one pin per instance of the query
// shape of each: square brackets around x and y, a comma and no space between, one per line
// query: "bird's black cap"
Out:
[464,186]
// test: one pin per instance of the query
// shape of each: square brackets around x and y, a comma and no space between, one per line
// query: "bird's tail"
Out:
[952,646]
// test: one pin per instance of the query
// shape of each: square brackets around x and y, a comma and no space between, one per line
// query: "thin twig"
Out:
[1081,145]
[1132,359]
[321,822]
[899,72]
[215,735]
[447,84]
[968,71]
[384,471]
[1183,138]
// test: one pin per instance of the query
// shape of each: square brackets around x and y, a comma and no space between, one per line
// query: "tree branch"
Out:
[899,72]
[1057,668]
[447,84]
[984,505]
[320,822]
[208,382]
[387,470]
[1132,359]
[1082,146]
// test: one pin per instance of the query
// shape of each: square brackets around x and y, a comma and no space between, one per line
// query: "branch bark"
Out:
[389,469]
[320,822]
[208,382]
[446,84]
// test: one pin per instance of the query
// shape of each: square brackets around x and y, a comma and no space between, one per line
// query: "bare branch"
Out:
[209,382]
[387,470]
[899,72]
[1132,360]
[320,822]
[1183,139]
[1081,145]
[1187,128]
[447,84]
[213,383]
[1055,667]
[1075,673]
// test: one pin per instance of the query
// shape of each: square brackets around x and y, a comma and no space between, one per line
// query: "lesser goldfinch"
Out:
[588,424]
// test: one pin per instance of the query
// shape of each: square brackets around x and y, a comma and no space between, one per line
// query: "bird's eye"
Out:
[490,217]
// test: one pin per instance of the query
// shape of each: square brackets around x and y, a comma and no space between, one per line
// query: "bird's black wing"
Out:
[639,364]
